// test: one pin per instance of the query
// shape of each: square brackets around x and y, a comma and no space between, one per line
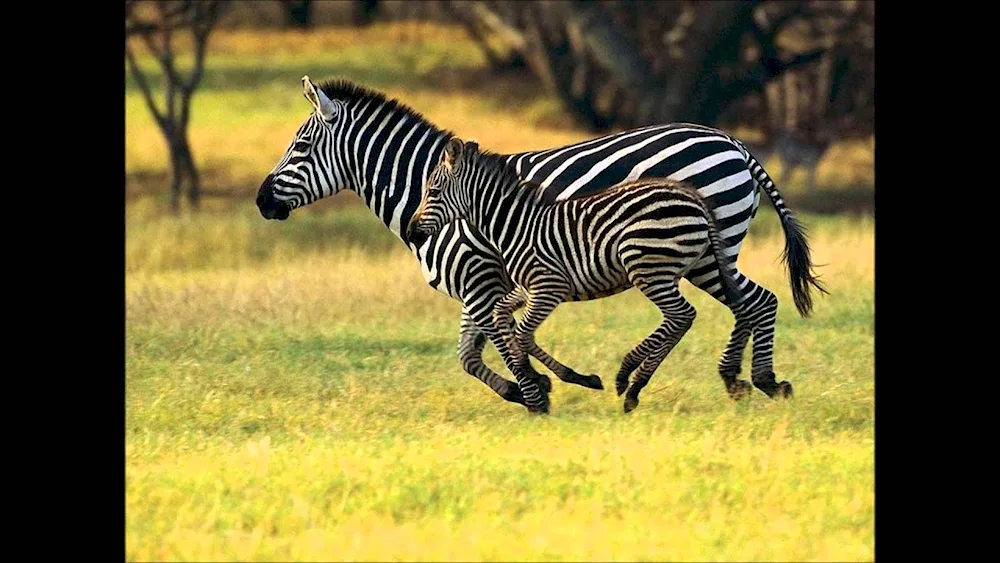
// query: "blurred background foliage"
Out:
[212,90]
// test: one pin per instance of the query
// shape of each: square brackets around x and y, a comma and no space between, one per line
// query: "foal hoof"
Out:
[738,389]
[621,386]
[588,381]
[513,395]
[538,410]
[785,390]
[542,380]
[544,383]
[594,382]
[630,404]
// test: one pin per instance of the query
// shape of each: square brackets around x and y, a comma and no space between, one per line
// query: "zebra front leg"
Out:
[564,373]
[471,342]
[539,306]
[483,318]
[536,399]
[516,299]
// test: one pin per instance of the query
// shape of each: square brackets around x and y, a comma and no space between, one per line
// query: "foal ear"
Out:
[471,147]
[320,102]
[452,153]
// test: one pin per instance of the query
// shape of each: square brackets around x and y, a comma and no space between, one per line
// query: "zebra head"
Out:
[309,169]
[443,200]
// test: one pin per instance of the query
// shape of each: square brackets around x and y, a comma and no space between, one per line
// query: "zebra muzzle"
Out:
[269,207]
[415,234]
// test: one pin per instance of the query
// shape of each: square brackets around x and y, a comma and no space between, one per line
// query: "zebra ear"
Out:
[471,147]
[452,153]
[318,99]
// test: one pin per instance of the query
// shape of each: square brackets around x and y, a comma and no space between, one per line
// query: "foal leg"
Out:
[471,342]
[564,373]
[678,316]
[536,399]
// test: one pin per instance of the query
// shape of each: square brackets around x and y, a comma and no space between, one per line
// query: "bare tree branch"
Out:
[140,79]
[474,28]
[758,76]
[199,18]
[492,21]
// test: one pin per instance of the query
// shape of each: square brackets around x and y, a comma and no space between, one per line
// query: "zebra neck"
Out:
[504,211]
[391,152]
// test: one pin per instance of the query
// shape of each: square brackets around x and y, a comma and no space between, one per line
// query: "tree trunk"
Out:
[298,13]
[365,12]
[184,176]
[176,178]
[191,172]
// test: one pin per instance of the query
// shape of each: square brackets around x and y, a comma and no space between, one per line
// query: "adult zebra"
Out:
[358,139]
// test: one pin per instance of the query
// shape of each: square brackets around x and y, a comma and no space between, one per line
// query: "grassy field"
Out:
[293,392]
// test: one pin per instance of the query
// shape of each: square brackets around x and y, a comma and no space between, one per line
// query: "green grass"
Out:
[307,404]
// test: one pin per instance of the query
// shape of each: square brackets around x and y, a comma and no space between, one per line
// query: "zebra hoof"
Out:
[738,389]
[513,395]
[544,383]
[766,383]
[630,404]
[621,386]
[539,410]
[588,381]
[542,380]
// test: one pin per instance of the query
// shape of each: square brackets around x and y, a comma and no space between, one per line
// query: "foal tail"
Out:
[726,276]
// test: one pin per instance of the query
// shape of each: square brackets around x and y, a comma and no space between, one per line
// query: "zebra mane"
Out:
[347,91]
[495,166]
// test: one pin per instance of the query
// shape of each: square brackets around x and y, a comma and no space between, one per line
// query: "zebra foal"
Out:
[645,234]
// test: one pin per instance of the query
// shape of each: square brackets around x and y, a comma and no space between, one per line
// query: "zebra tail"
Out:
[796,254]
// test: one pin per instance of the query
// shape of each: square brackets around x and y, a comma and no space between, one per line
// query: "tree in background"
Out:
[298,13]
[628,64]
[157,25]
[365,12]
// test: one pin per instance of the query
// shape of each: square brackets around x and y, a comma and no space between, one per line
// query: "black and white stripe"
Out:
[646,234]
[359,139]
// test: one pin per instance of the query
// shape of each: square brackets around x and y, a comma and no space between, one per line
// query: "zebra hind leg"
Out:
[678,316]
[755,315]
[762,307]
[471,342]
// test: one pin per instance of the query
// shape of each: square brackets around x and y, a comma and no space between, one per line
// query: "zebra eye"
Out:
[301,146]
[434,191]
